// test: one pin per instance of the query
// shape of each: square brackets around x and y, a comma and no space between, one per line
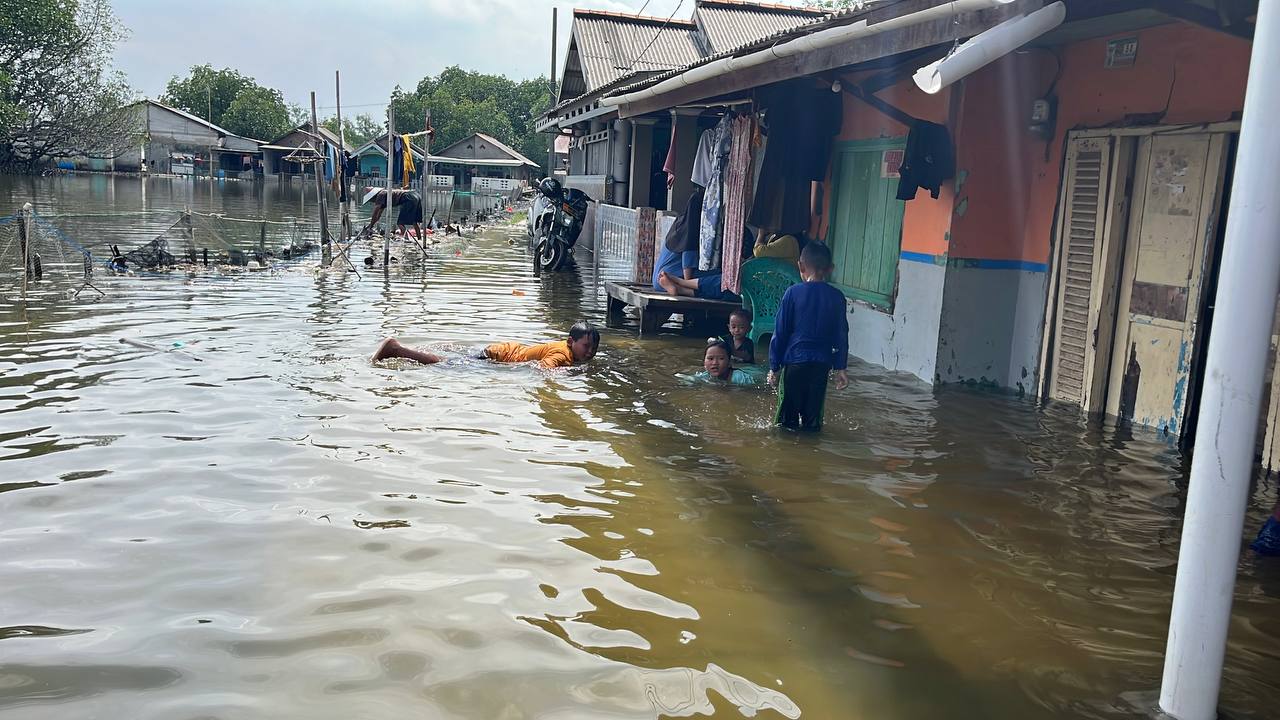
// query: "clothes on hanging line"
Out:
[669,165]
[737,172]
[800,121]
[713,200]
[929,160]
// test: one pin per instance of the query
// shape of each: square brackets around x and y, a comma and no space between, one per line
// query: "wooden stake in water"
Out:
[326,252]
[26,233]
[344,204]
[386,239]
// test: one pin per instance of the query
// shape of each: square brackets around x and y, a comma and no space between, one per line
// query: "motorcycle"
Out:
[555,222]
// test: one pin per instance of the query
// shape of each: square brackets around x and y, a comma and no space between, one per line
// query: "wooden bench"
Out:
[656,307]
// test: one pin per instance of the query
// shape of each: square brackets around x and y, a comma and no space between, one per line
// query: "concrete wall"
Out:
[904,338]
[1009,180]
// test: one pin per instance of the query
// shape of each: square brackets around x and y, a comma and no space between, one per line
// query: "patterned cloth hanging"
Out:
[737,172]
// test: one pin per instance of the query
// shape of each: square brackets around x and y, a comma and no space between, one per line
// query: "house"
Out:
[177,141]
[298,142]
[480,156]
[373,157]
[1072,256]
[620,161]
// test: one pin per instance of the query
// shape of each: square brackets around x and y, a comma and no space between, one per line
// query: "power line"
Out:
[655,37]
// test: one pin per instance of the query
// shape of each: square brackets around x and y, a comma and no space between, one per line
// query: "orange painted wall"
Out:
[1006,204]
[926,222]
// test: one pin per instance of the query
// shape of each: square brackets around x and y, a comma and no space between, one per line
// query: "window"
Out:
[865,229]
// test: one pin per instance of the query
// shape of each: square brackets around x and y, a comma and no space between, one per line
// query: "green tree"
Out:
[207,93]
[259,113]
[58,96]
[463,102]
[355,132]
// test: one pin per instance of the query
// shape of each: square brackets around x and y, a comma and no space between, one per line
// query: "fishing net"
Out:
[38,261]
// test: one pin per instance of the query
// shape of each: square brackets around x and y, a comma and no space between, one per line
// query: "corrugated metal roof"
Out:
[611,46]
[839,17]
[726,24]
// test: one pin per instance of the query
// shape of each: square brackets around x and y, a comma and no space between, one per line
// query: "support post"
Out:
[344,201]
[388,208]
[1222,463]
[326,251]
[26,234]
[551,146]
[641,170]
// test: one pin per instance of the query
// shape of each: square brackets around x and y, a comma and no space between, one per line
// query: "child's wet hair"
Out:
[742,314]
[816,256]
[713,342]
[583,328]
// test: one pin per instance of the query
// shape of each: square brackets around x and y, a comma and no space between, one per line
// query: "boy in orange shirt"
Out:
[581,346]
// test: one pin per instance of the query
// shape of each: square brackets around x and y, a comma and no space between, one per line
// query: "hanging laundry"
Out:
[396,159]
[713,200]
[669,165]
[737,174]
[329,162]
[800,121]
[929,161]
[409,167]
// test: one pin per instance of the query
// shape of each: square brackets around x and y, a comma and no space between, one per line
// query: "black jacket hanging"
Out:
[929,161]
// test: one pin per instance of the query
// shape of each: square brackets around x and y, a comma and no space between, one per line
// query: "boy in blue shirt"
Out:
[810,339]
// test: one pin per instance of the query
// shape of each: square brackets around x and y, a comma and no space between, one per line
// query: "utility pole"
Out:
[1222,462]
[343,204]
[326,251]
[551,146]
[386,239]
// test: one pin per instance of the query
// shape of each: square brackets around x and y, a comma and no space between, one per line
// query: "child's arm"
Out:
[781,332]
[841,359]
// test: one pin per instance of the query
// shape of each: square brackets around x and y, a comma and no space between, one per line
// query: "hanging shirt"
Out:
[704,158]
[929,161]
[811,327]
[548,355]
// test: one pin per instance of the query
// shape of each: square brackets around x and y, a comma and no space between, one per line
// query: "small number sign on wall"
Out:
[1122,52]
[890,162]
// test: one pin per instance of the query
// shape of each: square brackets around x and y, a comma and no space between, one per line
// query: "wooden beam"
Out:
[1210,18]
[844,55]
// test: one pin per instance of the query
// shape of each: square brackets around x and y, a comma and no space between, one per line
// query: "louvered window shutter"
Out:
[1080,243]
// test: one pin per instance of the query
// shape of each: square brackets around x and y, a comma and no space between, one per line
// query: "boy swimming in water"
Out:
[581,346]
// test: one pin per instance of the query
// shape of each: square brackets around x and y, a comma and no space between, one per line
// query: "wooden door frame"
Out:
[1118,214]
[839,149]
[1211,209]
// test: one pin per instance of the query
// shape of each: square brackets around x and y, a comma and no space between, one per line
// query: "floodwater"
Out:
[263,524]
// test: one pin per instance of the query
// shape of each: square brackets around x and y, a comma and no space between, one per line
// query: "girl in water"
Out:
[579,347]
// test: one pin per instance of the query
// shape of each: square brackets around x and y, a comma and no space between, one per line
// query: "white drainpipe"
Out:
[1233,380]
[984,48]
[807,43]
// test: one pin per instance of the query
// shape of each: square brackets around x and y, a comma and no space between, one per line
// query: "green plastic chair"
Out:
[764,280]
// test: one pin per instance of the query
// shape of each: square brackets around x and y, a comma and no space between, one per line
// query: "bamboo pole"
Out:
[326,252]
[344,202]
[386,239]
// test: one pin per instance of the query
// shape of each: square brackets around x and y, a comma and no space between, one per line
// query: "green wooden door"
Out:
[865,231]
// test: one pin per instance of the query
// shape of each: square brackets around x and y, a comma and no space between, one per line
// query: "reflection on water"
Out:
[282,530]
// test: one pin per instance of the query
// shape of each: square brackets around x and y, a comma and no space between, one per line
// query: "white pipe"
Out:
[985,48]
[1233,380]
[806,43]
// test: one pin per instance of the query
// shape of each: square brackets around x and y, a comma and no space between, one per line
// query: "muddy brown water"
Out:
[280,529]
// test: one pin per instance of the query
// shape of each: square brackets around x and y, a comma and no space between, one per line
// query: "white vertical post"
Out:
[387,209]
[1228,421]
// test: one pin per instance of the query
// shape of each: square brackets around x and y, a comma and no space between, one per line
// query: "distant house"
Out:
[483,156]
[277,153]
[373,157]
[177,141]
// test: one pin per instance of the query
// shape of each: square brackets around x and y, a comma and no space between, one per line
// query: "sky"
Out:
[295,45]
